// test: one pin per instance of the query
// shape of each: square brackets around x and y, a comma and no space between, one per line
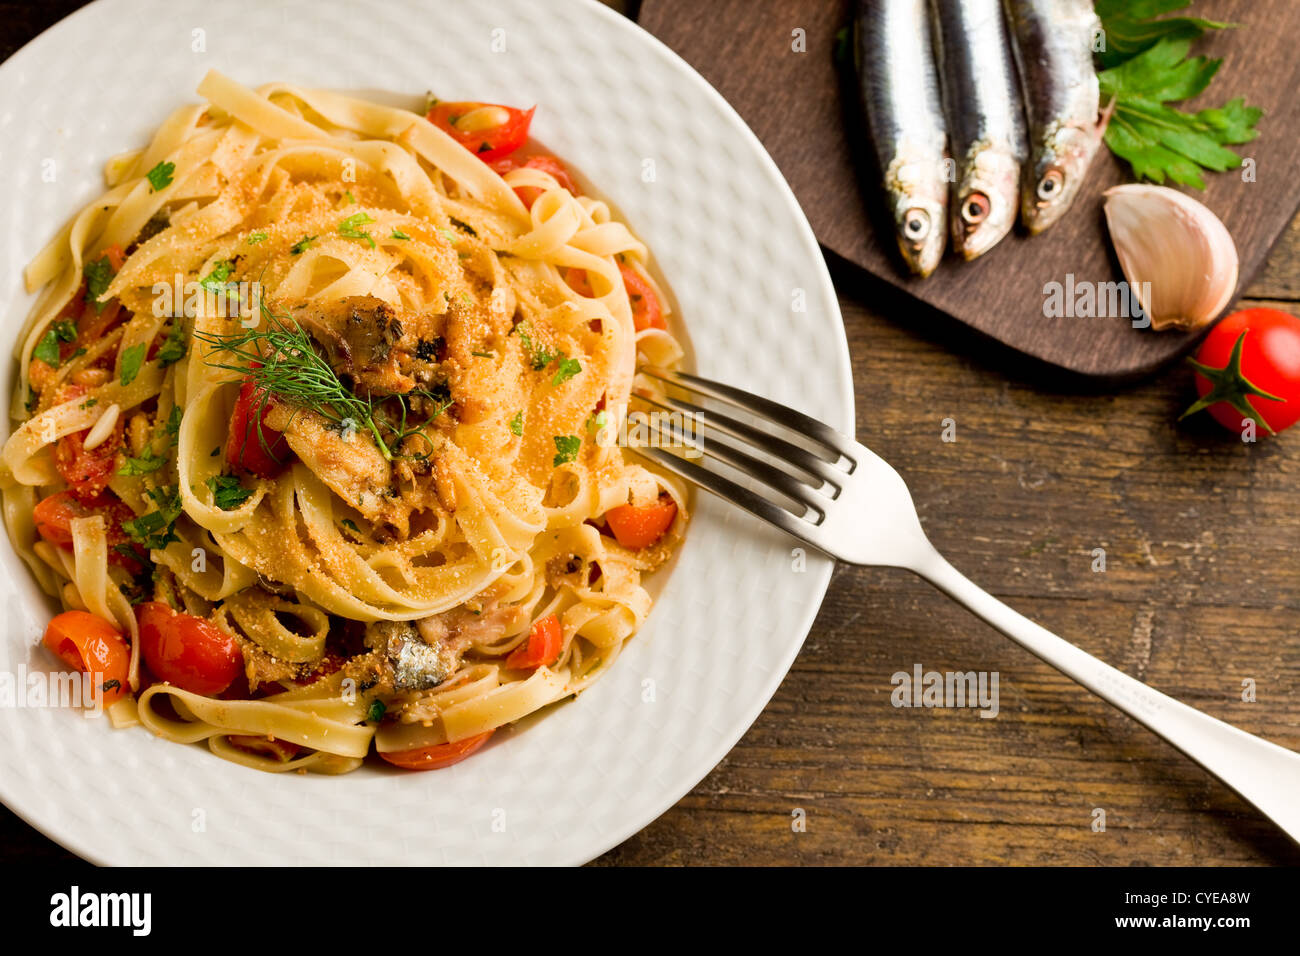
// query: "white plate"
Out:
[753,292]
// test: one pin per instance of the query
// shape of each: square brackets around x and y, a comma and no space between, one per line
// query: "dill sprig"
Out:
[284,363]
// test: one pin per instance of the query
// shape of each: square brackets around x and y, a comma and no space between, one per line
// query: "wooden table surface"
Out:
[1201,591]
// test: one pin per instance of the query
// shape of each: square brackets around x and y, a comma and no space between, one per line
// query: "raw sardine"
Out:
[986,120]
[900,95]
[1053,45]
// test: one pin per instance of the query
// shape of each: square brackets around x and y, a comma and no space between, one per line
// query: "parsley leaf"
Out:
[257,237]
[1130,29]
[160,177]
[539,356]
[1159,141]
[377,710]
[47,349]
[302,244]
[215,281]
[517,423]
[173,348]
[350,228]
[99,274]
[567,448]
[568,368]
[156,529]
[398,234]
[227,493]
[132,360]
[146,464]
[350,525]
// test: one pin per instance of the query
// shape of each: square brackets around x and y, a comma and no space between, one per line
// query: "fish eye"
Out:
[1050,186]
[975,208]
[916,224]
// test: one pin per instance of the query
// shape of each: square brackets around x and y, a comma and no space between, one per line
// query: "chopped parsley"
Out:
[568,368]
[539,356]
[173,347]
[398,234]
[160,177]
[483,354]
[377,710]
[89,403]
[517,423]
[156,529]
[350,228]
[302,244]
[146,464]
[47,350]
[257,237]
[347,194]
[132,360]
[350,525]
[215,281]
[172,427]
[566,448]
[99,274]
[227,493]
[597,421]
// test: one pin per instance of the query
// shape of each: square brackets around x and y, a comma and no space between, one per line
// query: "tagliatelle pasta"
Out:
[332,388]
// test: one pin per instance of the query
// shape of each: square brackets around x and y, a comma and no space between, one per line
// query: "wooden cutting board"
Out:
[807,115]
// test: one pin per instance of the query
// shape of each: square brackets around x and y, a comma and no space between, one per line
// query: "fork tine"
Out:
[796,422]
[728,490]
[802,459]
[774,478]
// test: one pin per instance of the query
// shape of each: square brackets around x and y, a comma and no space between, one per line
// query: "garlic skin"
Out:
[1178,247]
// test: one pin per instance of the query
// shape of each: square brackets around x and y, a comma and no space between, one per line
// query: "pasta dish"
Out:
[317,430]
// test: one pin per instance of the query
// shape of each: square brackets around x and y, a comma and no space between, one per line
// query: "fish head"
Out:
[919,225]
[1052,180]
[920,209]
[985,201]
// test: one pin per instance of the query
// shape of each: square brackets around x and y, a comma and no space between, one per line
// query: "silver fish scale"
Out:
[1054,54]
[979,77]
[900,86]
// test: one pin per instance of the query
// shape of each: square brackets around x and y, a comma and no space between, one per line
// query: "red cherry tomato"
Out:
[639,527]
[187,651]
[253,445]
[53,517]
[89,644]
[647,313]
[543,647]
[471,125]
[547,164]
[1251,352]
[437,756]
[86,473]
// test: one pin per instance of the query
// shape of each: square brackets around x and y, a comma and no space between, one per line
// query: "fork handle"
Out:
[1263,773]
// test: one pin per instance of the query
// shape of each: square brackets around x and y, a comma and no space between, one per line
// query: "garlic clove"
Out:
[1178,257]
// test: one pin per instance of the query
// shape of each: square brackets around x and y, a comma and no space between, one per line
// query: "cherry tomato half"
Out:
[187,651]
[89,644]
[487,130]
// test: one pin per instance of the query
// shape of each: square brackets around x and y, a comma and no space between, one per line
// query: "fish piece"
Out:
[986,120]
[900,97]
[1053,42]
[380,349]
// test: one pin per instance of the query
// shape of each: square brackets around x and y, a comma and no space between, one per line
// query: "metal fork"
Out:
[846,501]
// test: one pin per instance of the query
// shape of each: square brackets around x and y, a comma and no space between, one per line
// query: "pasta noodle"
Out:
[341,396]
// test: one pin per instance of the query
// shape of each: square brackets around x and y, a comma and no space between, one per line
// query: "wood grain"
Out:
[807,115]
[1201,590]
